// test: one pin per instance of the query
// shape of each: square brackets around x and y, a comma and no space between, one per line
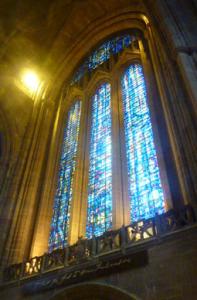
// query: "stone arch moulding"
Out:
[93,291]
[89,38]
[97,32]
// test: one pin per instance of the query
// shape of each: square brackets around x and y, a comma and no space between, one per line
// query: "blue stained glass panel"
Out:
[102,54]
[145,190]
[62,204]
[99,212]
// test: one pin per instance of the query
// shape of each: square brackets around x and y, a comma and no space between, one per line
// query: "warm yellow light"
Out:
[30,81]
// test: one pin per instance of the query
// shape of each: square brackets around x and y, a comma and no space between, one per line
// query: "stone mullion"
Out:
[85,170]
[75,226]
[119,207]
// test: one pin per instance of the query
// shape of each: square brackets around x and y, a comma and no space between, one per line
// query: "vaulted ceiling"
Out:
[29,29]
[35,34]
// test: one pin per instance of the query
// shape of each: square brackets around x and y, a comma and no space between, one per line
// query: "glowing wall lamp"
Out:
[30,83]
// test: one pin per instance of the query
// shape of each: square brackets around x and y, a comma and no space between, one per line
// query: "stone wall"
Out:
[168,273]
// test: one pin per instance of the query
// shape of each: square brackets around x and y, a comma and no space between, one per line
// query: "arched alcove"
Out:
[93,291]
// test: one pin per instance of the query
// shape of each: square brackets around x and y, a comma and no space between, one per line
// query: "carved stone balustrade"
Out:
[114,242]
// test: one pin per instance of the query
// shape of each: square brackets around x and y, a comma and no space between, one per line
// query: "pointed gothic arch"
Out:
[94,291]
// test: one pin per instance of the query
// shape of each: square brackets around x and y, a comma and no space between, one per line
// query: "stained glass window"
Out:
[102,54]
[145,191]
[62,204]
[99,213]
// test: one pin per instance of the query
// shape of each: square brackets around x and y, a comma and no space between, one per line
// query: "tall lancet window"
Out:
[62,204]
[99,213]
[144,185]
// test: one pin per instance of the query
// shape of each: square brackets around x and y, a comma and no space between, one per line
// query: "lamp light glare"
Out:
[30,81]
